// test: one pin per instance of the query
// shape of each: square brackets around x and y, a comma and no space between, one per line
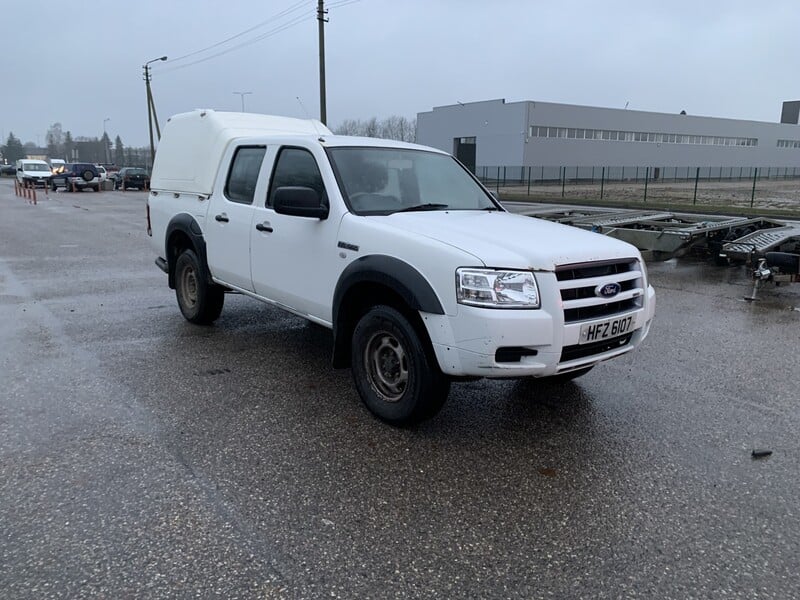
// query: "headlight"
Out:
[497,289]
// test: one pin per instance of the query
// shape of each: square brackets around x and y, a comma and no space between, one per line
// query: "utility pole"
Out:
[151,108]
[321,12]
[105,138]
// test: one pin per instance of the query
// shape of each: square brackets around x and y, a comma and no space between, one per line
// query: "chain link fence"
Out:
[753,187]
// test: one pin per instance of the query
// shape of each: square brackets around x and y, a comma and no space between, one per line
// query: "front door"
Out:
[294,260]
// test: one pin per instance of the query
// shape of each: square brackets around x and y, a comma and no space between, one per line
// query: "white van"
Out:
[57,166]
[33,171]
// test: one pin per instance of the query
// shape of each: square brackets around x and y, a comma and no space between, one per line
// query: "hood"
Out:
[506,240]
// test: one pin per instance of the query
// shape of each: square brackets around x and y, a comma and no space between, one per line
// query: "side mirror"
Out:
[299,201]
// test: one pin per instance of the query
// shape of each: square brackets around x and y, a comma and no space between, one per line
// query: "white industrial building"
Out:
[531,134]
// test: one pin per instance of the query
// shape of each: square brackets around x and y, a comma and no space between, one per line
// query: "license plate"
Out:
[605,329]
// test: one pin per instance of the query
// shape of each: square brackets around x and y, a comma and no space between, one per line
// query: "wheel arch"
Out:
[373,280]
[183,232]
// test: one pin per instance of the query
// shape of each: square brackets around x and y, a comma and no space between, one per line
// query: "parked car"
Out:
[33,172]
[57,165]
[111,172]
[132,177]
[8,170]
[77,177]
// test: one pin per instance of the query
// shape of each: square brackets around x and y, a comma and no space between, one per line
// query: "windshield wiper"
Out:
[426,206]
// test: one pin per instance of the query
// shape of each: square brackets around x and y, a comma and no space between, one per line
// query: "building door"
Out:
[464,151]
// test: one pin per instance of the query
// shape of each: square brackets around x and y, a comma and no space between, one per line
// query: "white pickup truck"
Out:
[418,270]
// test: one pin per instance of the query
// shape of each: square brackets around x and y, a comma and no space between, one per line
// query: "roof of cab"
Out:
[193,143]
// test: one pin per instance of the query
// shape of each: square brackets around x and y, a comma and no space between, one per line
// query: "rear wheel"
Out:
[395,374]
[200,301]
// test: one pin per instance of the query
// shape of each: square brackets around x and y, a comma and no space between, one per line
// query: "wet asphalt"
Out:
[144,457]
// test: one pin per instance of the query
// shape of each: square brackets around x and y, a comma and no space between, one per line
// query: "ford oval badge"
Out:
[608,290]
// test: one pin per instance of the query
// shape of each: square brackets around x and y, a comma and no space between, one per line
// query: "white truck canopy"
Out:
[193,143]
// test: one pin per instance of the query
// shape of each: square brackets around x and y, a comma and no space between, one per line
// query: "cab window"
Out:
[243,176]
[296,167]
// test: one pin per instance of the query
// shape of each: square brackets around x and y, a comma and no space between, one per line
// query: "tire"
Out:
[53,186]
[96,188]
[200,302]
[87,175]
[569,376]
[395,372]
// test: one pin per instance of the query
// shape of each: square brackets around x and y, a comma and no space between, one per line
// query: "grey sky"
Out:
[718,58]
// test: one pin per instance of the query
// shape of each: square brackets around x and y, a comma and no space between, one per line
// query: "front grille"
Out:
[578,284]
[583,350]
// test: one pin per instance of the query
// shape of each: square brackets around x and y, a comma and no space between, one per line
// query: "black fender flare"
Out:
[387,271]
[185,223]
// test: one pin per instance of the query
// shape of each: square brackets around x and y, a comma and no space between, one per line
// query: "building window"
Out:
[651,137]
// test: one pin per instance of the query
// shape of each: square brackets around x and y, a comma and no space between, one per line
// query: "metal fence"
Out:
[776,187]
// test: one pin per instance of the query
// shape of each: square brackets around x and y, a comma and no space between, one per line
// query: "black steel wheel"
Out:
[395,370]
[200,301]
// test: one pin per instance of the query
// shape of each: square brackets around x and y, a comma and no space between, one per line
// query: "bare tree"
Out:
[371,128]
[393,128]
[349,127]
[55,135]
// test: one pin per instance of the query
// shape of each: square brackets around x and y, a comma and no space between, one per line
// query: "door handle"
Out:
[264,227]
[223,218]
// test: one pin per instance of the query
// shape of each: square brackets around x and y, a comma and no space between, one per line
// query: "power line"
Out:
[291,23]
[341,3]
[263,36]
[274,17]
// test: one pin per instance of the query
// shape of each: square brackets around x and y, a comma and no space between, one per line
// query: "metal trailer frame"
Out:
[661,235]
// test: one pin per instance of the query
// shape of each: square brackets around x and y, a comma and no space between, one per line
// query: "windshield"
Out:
[35,167]
[382,181]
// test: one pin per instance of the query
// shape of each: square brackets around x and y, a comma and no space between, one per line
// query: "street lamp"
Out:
[151,107]
[242,94]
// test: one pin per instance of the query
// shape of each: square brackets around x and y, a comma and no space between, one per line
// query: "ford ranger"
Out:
[420,273]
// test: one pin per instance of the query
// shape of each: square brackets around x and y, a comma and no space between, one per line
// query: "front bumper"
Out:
[467,344]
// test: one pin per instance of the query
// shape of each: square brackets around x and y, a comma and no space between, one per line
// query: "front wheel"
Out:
[200,301]
[395,374]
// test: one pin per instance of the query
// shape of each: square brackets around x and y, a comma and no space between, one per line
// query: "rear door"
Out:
[230,214]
